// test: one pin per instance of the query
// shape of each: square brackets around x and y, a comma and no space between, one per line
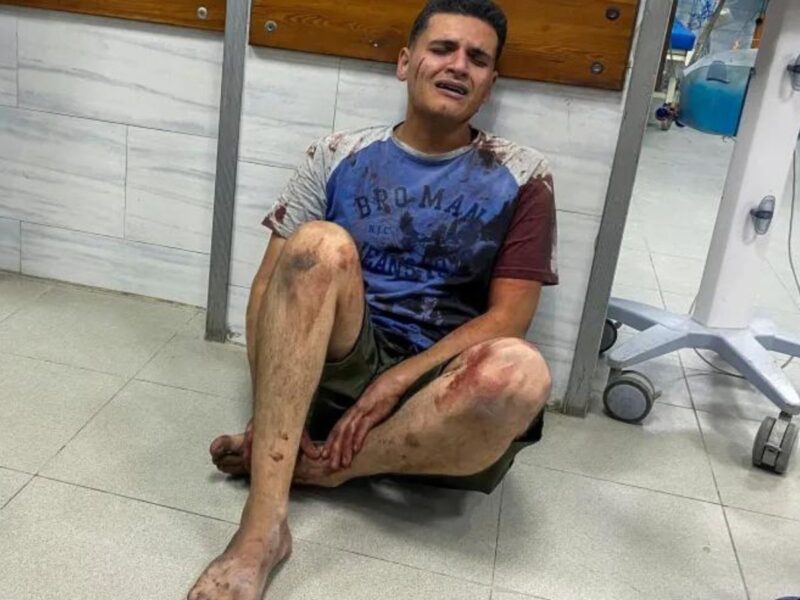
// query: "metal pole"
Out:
[647,58]
[230,113]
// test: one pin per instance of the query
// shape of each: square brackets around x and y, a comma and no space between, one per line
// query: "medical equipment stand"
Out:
[722,319]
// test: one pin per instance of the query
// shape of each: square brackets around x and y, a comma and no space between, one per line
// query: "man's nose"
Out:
[460,63]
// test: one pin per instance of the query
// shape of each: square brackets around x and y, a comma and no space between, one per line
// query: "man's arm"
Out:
[512,306]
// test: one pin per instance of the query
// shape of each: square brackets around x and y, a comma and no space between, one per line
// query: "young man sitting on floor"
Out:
[386,324]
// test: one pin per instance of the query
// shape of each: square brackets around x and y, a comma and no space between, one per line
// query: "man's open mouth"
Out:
[452,86]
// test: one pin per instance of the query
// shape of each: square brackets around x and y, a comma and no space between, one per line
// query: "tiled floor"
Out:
[106,491]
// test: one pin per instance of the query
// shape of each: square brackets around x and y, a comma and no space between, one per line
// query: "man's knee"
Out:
[320,251]
[504,379]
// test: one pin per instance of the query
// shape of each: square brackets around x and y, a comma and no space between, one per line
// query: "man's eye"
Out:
[439,50]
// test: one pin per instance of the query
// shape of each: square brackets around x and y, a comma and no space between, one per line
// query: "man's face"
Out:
[450,68]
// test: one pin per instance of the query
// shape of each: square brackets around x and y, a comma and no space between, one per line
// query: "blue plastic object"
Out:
[713,92]
[682,38]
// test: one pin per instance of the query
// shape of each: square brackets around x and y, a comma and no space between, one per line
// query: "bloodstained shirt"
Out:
[432,230]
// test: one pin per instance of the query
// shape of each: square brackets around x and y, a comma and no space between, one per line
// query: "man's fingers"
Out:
[327,451]
[328,448]
[308,446]
[347,440]
[341,446]
[335,443]
[361,434]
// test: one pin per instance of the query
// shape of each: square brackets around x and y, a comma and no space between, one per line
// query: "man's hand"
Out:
[375,405]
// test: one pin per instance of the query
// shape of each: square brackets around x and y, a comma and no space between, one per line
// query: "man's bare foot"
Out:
[308,471]
[227,454]
[231,453]
[241,572]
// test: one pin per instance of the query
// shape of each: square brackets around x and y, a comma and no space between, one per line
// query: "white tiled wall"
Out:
[8,59]
[107,152]
[107,155]
[62,171]
[120,71]
[290,99]
[9,244]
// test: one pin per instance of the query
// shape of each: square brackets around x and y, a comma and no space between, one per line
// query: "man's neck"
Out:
[432,138]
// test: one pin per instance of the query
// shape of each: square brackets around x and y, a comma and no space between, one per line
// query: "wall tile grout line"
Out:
[125,188]
[336,96]
[115,238]
[19,266]
[34,109]
[16,41]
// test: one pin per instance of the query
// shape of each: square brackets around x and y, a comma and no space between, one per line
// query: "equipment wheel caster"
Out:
[629,396]
[775,442]
[610,335]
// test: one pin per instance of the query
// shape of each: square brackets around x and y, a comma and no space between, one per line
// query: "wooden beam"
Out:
[582,42]
[184,13]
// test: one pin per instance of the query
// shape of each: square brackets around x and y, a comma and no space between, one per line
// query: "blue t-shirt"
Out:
[432,230]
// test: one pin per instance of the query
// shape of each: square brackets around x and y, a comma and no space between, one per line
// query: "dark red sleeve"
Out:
[529,248]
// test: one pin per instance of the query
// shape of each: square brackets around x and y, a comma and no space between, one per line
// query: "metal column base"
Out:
[746,350]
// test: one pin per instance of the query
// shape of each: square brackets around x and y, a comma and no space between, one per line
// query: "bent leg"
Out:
[458,425]
[312,310]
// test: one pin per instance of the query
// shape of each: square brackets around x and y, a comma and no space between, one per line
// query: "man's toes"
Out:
[232,464]
[226,444]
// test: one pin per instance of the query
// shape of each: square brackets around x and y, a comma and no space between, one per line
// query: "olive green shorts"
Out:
[343,383]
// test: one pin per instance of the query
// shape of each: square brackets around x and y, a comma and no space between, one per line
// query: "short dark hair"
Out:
[485,10]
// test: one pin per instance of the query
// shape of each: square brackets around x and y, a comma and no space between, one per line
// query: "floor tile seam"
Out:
[17,493]
[621,484]
[719,496]
[396,563]
[516,593]
[64,364]
[137,499]
[16,470]
[27,303]
[236,524]
[94,415]
[762,514]
[669,255]
[82,427]
[791,290]
[497,531]
[736,553]
[183,389]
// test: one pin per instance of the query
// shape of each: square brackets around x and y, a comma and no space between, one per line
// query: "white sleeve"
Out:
[304,199]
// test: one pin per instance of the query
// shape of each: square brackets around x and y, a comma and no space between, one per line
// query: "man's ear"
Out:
[489,91]
[402,64]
